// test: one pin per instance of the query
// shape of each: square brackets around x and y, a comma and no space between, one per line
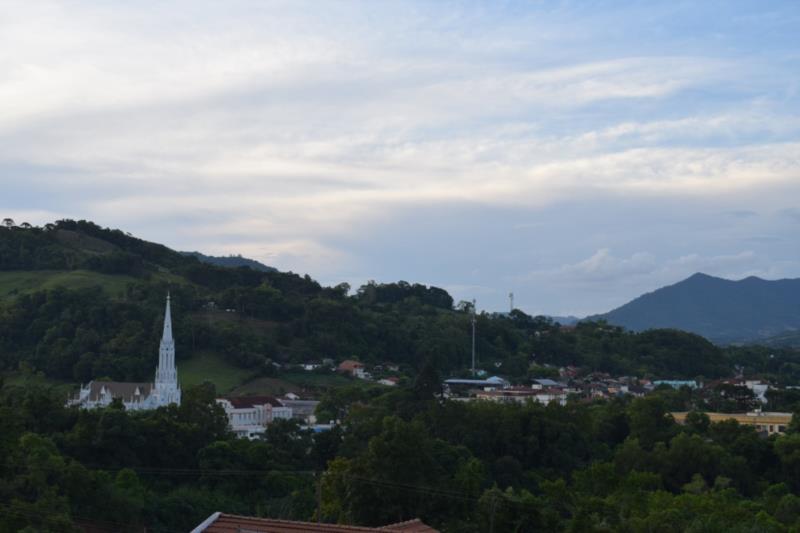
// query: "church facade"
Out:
[164,389]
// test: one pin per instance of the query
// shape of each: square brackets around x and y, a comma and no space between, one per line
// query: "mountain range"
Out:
[723,311]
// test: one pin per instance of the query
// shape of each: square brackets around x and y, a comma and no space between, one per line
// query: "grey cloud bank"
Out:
[576,155]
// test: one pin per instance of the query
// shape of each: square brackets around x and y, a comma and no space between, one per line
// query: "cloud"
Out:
[792,213]
[300,133]
[742,213]
[603,266]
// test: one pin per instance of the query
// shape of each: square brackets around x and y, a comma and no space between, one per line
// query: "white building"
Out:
[759,389]
[164,390]
[249,416]
[524,395]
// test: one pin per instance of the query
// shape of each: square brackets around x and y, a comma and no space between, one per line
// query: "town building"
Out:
[677,383]
[523,395]
[759,389]
[163,391]
[544,383]
[302,410]
[249,416]
[764,422]
[491,383]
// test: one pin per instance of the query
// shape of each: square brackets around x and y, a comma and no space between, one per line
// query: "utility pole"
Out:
[491,516]
[473,337]
[319,497]
[511,301]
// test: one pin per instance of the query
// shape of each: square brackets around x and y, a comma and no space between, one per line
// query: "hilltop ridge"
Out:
[722,310]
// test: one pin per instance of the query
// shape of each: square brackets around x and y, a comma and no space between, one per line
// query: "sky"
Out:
[578,154]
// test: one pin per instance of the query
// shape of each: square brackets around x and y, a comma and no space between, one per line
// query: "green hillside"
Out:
[98,313]
[231,261]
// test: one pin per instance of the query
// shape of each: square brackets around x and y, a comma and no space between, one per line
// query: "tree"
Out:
[697,421]
[650,422]
[428,384]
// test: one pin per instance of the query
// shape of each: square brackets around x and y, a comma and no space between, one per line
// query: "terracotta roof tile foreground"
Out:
[410,526]
[228,523]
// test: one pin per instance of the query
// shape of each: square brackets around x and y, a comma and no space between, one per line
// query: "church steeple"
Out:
[167,336]
[166,381]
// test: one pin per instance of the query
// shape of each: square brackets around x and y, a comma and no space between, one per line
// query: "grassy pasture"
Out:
[206,366]
[16,282]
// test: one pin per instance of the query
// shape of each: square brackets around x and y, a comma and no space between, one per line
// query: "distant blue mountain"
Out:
[723,311]
[232,261]
[565,320]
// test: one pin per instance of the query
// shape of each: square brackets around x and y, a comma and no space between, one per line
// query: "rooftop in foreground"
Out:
[227,523]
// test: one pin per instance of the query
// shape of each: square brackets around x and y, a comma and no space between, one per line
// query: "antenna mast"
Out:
[473,337]
[511,301]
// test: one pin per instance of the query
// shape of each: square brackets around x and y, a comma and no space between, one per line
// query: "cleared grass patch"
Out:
[266,386]
[302,383]
[207,366]
[18,282]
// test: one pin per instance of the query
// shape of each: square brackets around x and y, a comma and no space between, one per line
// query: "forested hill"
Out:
[232,261]
[718,309]
[78,302]
[71,245]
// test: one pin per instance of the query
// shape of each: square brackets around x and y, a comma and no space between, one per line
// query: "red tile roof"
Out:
[410,526]
[226,523]
[349,364]
[244,402]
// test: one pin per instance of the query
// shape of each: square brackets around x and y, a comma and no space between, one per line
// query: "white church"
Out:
[139,396]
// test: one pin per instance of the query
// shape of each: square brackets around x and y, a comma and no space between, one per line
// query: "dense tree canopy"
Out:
[462,467]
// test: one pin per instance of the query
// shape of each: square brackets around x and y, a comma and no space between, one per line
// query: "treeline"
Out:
[621,465]
[167,470]
[70,245]
[610,466]
[83,334]
[78,335]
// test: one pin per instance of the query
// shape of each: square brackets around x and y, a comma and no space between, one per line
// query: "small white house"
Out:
[759,389]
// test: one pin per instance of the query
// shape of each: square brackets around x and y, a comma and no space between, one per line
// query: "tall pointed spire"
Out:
[167,336]
[166,381]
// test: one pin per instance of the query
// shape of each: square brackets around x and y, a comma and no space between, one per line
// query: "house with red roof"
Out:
[354,368]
